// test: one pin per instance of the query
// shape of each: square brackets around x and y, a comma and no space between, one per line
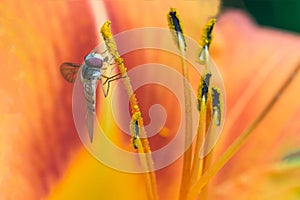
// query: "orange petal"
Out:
[278,181]
[254,63]
[37,137]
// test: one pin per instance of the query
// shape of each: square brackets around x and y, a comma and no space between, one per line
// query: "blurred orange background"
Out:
[41,155]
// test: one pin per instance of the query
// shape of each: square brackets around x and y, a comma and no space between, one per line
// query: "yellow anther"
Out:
[109,41]
[171,14]
[175,24]
[217,104]
[204,88]
[105,30]
[207,35]
[205,41]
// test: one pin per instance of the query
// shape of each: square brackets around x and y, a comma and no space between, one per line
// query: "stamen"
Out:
[175,26]
[142,144]
[203,93]
[235,146]
[217,111]
[207,119]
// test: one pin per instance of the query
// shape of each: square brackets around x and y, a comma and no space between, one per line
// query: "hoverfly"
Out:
[93,69]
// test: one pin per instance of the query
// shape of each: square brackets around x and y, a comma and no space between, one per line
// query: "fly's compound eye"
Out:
[94,60]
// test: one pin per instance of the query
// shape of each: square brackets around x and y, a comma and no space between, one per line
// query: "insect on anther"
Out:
[91,71]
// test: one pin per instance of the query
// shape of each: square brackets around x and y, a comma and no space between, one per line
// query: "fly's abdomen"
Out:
[89,78]
[90,97]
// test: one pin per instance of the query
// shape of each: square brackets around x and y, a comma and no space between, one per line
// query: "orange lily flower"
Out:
[41,155]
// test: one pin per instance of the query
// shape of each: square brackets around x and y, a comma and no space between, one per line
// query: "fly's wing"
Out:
[69,71]
[90,97]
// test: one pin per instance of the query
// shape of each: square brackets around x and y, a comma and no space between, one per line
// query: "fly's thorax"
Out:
[90,73]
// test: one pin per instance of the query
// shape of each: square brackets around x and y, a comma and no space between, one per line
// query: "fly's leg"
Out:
[108,80]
